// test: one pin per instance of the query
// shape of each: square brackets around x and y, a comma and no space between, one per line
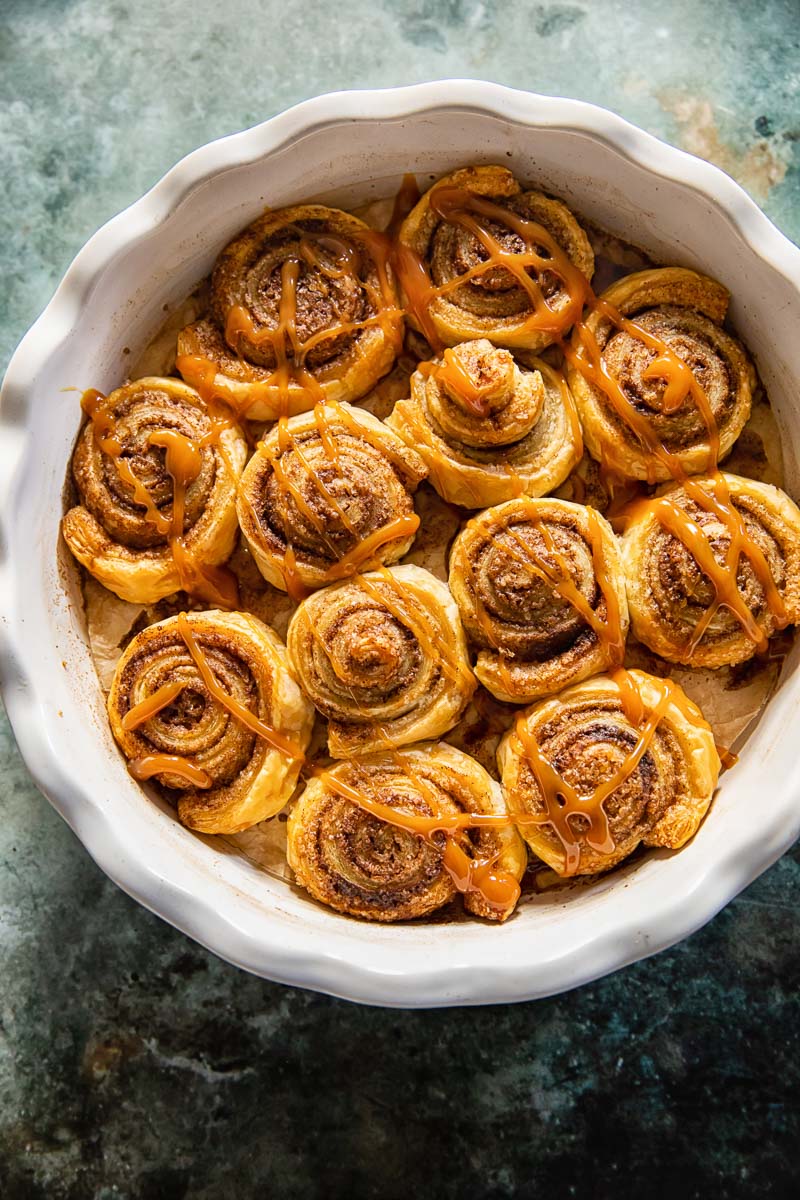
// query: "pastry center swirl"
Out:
[588,746]
[194,725]
[374,856]
[328,506]
[323,274]
[371,650]
[520,596]
[456,251]
[112,497]
[634,365]
[682,589]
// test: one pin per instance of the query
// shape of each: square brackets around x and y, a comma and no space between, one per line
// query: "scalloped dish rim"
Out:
[413,965]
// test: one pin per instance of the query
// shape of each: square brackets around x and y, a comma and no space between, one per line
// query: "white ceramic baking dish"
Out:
[344,149]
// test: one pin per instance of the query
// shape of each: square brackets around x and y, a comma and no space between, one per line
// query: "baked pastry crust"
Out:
[685,310]
[669,592]
[123,544]
[247,779]
[586,735]
[358,864]
[541,593]
[525,446]
[384,658]
[334,488]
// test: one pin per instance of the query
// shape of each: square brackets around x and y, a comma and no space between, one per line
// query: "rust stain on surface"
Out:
[757,165]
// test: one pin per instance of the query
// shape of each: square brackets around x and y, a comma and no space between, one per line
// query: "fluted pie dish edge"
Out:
[48,681]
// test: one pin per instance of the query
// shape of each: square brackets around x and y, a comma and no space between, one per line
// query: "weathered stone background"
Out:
[134,1064]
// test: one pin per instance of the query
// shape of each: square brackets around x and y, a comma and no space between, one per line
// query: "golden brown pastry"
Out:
[207,705]
[302,309]
[489,428]
[333,489]
[346,853]
[712,569]
[462,232]
[608,764]
[383,657]
[689,404]
[541,592]
[156,471]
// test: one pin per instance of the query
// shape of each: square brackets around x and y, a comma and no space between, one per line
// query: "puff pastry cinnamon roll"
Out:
[383,657]
[326,494]
[156,471]
[480,257]
[368,837]
[659,384]
[712,569]
[608,764]
[207,705]
[489,428]
[541,592]
[302,309]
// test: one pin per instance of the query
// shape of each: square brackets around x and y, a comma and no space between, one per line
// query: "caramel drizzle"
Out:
[183,463]
[290,351]
[364,553]
[460,207]
[273,737]
[497,887]
[434,644]
[562,802]
[146,766]
[151,705]
[406,199]
[608,631]
[453,373]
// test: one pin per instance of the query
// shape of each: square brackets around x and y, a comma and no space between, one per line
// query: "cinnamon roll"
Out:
[156,470]
[606,765]
[207,705]
[659,384]
[541,593]
[479,257]
[383,657]
[302,309]
[712,569]
[489,428]
[326,494]
[363,837]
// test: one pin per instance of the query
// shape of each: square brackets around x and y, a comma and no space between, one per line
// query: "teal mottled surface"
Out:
[133,1063]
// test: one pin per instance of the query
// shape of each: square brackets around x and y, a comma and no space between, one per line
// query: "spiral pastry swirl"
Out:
[705,589]
[355,862]
[541,593]
[608,764]
[333,489]
[488,428]
[123,531]
[383,657]
[302,309]
[207,705]
[475,294]
[693,407]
